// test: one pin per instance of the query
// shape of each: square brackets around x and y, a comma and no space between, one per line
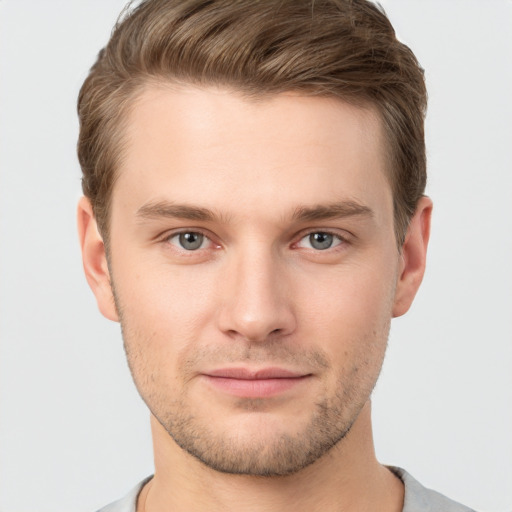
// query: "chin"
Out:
[259,443]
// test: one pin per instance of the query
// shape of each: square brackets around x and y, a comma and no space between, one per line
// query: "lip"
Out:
[254,383]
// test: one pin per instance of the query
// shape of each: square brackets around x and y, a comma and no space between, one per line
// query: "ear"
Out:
[95,260]
[413,257]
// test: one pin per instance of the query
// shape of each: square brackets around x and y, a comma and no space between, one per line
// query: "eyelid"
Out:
[344,237]
[342,234]
[167,235]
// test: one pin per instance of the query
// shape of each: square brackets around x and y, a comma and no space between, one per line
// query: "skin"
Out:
[259,179]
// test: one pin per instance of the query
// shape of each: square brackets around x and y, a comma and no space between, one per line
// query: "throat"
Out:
[347,478]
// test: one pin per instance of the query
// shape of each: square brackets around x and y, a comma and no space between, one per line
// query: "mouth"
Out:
[255,383]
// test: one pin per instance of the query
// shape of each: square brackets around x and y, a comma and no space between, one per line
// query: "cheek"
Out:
[348,316]
[163,315]
[165,297]
[355,298]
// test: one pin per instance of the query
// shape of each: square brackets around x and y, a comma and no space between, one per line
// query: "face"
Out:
[255,271]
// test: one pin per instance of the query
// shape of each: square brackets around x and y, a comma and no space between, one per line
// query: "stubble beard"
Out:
[283,454]
[263,455]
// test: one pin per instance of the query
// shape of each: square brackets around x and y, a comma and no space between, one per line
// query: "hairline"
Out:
[142,83]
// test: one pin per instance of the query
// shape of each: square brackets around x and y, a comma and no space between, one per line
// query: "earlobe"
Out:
[94,260]
[414,254]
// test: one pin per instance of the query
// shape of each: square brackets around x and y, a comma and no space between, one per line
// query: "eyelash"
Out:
[167,238]
[342,240]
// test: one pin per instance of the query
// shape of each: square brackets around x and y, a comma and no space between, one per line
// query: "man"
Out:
[254,216]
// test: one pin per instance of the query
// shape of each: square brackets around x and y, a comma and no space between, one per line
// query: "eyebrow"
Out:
[332,211]
[165,209]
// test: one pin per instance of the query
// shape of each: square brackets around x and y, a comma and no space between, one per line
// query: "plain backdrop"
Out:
[74,434]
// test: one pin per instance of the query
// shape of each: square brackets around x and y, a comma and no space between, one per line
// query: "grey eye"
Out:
[191,241]
[321,241]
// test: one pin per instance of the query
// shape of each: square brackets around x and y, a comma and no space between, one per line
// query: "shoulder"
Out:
[129,502]
[420,499]
[417,498]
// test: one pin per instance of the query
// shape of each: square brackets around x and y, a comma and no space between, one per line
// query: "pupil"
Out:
[321,241]
[191,241]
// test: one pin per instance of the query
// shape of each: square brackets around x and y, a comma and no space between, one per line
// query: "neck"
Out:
[347,478]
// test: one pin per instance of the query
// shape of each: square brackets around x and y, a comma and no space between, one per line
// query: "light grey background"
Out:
[73,433]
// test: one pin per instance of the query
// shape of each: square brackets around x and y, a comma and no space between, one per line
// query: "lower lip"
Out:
[254,388]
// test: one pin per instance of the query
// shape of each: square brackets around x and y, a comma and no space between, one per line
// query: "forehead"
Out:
[217,148]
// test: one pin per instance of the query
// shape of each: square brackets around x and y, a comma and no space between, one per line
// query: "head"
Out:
[254,216]
[331,48]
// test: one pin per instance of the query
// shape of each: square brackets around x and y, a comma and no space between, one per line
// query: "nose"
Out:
[257,303]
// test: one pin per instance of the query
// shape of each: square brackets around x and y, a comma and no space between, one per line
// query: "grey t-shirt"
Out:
[417,498]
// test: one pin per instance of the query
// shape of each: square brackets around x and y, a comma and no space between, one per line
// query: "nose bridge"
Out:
[257,300]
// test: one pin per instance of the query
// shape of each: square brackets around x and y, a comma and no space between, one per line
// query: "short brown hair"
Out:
[341,48]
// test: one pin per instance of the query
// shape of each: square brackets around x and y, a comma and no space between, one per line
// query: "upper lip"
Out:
[255,374]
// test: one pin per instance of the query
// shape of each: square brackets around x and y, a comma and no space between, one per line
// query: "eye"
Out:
[320,241]
[189,240]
